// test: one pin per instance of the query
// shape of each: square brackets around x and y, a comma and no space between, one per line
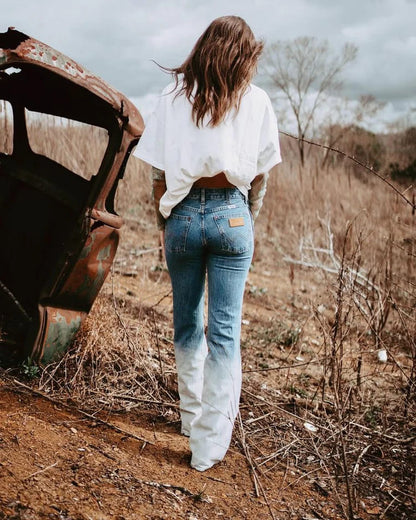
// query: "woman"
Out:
[211,141]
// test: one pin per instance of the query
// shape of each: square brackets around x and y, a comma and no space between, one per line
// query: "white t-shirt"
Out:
[242,146]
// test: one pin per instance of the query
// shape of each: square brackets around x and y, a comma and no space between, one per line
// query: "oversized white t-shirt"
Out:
[242,146]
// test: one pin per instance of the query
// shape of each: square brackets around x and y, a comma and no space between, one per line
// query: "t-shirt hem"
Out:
[270,165]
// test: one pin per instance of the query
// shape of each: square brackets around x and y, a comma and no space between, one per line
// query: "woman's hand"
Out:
[162,256]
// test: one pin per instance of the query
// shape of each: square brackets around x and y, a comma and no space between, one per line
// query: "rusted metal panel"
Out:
[92,267]
[61,326]
[71,235]
[32,51]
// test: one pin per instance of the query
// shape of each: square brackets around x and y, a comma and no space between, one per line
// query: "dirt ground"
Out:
[57,462]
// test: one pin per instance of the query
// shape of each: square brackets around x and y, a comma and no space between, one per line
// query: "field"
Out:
[327,427]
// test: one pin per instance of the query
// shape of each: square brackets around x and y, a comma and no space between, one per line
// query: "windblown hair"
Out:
[219,69]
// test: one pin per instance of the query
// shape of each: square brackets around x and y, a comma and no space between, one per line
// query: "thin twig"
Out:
[113,300]
[297,417]
[161,485]
[256,480]
[42,470]
[388,507]
[283,367]
[358,462]
[276,453]
[368,168]
[15,301]
[147,401]
[408,440]
[255,419]
[300,478]
[86,414]
[161,299]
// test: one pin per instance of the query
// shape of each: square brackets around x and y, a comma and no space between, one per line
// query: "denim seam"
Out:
[202,208]
[184,206]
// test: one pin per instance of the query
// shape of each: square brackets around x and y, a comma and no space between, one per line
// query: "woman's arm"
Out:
[256,193]
[159,188]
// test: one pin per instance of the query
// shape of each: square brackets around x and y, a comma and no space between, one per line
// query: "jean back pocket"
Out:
[176,232]
[235,231]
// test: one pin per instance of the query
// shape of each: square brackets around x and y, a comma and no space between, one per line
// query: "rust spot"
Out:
[60,329]
[93,265]
[58,216]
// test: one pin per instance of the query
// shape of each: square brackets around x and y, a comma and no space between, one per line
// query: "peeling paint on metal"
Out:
[86,250]
[53,327]
[62,326]
[32,49]
[93,265]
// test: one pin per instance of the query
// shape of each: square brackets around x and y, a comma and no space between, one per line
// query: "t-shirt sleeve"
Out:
[151,147]
[269,146]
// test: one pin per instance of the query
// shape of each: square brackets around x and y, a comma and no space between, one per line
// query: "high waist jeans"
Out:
[210,233]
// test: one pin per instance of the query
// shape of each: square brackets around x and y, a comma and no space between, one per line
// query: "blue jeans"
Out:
[209,235]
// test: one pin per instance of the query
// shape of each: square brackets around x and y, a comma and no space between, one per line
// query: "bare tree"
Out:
[305,70]
[343,118]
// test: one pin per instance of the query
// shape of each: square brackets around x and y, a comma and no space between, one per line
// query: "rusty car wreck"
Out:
[59,230]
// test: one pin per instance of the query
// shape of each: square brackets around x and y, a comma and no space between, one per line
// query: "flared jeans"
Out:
[208,237]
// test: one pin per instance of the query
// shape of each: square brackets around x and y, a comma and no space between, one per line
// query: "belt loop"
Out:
[202,195]
[227,195]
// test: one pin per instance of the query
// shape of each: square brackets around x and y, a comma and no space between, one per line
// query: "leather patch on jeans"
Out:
[235,222]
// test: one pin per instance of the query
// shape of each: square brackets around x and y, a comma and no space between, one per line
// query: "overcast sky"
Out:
[117,39]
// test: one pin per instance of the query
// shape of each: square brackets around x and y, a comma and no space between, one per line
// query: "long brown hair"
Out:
[219,68]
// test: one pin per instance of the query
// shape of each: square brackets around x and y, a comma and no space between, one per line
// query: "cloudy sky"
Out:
[117,39]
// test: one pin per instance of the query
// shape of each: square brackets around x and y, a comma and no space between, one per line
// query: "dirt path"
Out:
[58,464]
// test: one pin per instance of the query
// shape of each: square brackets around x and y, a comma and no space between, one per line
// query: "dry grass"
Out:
[114,362]
[317,405]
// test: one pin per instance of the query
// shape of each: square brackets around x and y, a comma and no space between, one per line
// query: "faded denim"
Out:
[209,235]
